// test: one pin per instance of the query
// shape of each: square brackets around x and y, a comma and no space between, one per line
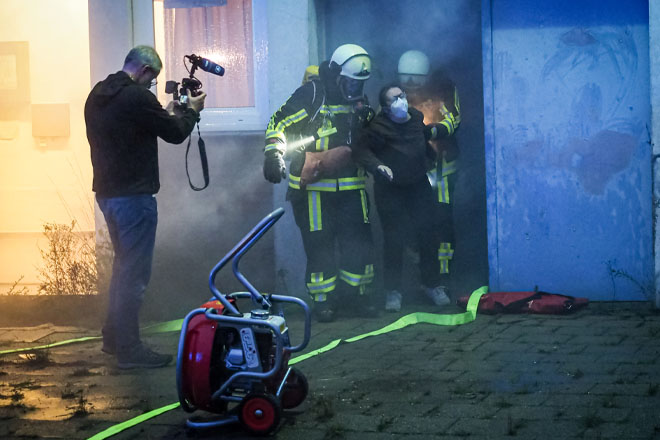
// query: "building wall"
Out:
[45,179]
[569,176]
[654,56]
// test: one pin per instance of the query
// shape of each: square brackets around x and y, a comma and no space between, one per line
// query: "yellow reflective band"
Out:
[449,168]
[444,266]
[323,132]
[450,127]
[351,183]
[286,122]
[443,190]
[445,251]
[355,279]
[314,207]
[365,206]
[318,285]
[445,254]
[339,109]
[272,134]
[294,181]
[271,147]
[434,131]
[327,185]
[457,104]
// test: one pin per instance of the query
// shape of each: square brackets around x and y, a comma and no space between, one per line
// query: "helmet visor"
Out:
[351,89]
[412,82]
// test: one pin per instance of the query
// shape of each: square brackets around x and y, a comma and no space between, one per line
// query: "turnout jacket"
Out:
[403,147]
[123,122]
[310,110]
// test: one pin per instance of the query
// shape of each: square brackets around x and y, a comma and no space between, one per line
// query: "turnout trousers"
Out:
[336,235]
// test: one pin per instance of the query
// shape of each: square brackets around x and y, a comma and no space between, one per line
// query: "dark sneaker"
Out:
[324,311]
[142,357]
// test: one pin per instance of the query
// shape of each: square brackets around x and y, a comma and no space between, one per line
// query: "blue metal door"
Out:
[568,149]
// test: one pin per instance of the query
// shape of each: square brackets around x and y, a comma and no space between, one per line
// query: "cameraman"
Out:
[124,120]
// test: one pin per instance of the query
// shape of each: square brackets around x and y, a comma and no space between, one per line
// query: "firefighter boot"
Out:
[324,311]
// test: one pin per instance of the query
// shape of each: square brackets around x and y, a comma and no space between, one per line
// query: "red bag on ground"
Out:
[526,302]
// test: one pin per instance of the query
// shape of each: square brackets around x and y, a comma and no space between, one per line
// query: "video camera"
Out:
[192,86]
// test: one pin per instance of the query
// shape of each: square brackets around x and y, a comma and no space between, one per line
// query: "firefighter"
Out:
[436,96]
[314,129]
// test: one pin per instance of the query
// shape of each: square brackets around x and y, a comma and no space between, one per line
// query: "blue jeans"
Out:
[132,224]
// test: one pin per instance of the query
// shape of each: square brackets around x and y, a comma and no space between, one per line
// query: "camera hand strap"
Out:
[202,157]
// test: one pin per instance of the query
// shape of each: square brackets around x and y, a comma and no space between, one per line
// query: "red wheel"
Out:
[260,413]
[295,389]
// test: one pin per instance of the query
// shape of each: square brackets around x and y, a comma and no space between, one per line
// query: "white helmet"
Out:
[354,61]
[413,68]
[352,64]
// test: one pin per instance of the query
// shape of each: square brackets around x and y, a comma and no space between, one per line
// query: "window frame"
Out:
[222,119]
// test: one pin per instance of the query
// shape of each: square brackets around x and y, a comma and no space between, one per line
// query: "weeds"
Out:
[323,408]
[38,358]
[69,262]
[82,407]
[384,423]
[335,431]
[15,290]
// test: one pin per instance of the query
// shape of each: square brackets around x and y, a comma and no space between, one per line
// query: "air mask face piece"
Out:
[399,108]
[351,89]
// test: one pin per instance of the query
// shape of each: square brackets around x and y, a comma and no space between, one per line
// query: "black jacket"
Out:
[123,122]
[401,147]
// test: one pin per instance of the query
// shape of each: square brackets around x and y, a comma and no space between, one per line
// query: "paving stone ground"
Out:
[593,374]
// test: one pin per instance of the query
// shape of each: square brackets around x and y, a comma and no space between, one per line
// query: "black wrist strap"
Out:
[202,158]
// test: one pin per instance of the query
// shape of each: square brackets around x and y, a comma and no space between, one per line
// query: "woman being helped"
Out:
[394,148]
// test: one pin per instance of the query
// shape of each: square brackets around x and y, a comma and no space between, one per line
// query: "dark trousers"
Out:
[408,213]
[337,240]
[132,224]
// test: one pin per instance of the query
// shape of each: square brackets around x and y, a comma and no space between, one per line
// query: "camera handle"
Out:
[202,156]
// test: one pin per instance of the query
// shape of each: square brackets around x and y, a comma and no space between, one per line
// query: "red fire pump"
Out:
[235,365]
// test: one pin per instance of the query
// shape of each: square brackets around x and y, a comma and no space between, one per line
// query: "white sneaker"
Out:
[393,301]
[438,295]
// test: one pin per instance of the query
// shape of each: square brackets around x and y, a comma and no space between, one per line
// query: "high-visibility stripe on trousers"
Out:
[358,280]
[445,255]
[318,287]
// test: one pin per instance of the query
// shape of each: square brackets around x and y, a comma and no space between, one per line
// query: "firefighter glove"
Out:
[386,172]
[274,167]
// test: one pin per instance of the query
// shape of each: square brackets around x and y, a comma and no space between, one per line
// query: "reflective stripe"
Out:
[350,183]
[358,280]
[449,167]
[457,104]
[334,109]
[443,190]
[272,134]
[445,254]
[434,131]
[450,126]
[288,121]
[294,181]
[327,185]
[318,286]
[330,185]
[365,205]
[271,147]
[314,206]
